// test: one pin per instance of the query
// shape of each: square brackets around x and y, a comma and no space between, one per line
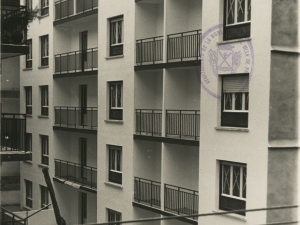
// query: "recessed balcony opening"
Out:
[181,195]
[75,103]
[182,106]
[149,31]
[148,102]
[147,177]
[77,51]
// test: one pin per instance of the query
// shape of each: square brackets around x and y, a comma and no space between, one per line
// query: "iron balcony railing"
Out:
[181,200]
[185,45]
[67,8]
[9,218]
[76,117]
[76,61]
[77,173]
[183,124]
[149,50]
[14,26]
[147,191]
[148,121]
[13,129]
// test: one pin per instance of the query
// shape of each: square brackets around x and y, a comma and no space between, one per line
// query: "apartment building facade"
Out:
[155,108]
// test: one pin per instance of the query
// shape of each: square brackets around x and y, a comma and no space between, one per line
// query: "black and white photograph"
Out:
[150,112]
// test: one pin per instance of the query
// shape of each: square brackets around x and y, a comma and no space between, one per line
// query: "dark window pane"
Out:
[244,181]
[226,179]
[234,119]
[228,101]
[230,11]
[236,181]
[227,203]
[249,10]
[238,101]
[240,10]
[247,101]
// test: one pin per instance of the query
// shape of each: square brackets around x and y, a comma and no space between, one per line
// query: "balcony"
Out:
[179,124]
[149,50]
[76,173]
[8,218]
[80,118]
[82,62]
[182,48]
[68,10]
[147,192]
[148,122]
[177,200]
[13,129]
[13,30]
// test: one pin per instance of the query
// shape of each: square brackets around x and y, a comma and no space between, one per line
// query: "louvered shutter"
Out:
[234,84]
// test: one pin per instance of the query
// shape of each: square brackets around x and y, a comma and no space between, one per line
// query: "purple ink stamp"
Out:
[219,58]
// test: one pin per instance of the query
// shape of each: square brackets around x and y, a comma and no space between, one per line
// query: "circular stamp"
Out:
[219,58]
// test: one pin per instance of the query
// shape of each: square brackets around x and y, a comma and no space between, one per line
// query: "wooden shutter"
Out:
[234,84]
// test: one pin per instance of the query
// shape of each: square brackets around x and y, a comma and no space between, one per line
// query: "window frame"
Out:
[44,149]
[243,113]
[44,196]
[28,63]
[115,111]
[120,45]
[28,100]
[112,216]
[44,100]
[44,7]
[230,196]
[28,193]
[239,29]
[115,174]
[44,50]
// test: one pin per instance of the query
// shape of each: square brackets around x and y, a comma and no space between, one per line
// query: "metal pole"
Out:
[59,219]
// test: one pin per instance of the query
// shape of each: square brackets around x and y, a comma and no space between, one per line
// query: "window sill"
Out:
[28,115]
[114,57]
[233,41]
[28,162]
[27,69]
[114,121]
[42,116]
[43,165]
[113,184]
[231,215]
[233,129]
[43,67]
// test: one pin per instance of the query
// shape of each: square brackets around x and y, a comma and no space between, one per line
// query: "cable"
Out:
[202,215]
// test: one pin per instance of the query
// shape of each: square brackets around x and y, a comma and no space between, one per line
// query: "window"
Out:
[28,145]
[113,216]
[45,149]
[45,7]
[28,190]
[29,5]
[116,36]
[29,55]
[237,19]
[44,101]
[116,100]
[235,101]
[233,186]
[28,100]
[44,197]
[44,50]
[115,169]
